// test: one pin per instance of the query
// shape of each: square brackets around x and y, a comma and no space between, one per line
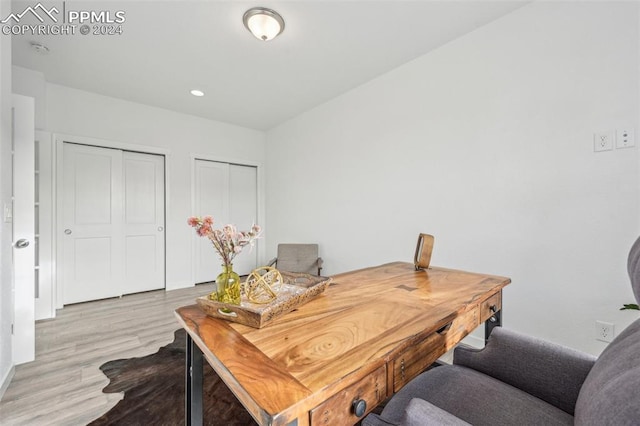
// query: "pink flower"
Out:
[229,230]
[227,241]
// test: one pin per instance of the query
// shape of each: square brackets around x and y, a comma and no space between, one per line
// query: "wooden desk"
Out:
[364,338]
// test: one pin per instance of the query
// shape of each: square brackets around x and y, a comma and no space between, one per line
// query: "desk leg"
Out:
[494,321]
[193,384]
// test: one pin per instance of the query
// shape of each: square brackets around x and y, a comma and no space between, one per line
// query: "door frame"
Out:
[259,194]
[59,140]
[45,302]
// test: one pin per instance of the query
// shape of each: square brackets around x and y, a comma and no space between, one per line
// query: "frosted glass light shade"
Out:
[265,24]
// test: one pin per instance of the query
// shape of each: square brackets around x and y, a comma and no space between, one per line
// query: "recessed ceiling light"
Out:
[263,23]
[196,92]
[39,48]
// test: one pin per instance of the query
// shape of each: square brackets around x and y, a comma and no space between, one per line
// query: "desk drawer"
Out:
[418,357]
[339,409]
[490,306]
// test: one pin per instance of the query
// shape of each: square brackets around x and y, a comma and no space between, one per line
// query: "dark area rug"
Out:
[153,389]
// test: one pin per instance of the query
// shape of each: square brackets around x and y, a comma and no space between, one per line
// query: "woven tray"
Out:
[296,290]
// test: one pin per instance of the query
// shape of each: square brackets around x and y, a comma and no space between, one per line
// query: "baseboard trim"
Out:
[6,380]
[177,285]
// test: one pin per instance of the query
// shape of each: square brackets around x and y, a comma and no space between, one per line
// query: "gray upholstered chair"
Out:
[298,258]
[520,380]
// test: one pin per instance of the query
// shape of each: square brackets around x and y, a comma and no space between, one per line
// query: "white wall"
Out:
[486,143]
[6,297]
[32,83]
[75,112]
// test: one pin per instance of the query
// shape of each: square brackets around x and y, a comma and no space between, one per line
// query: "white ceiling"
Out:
[170,47]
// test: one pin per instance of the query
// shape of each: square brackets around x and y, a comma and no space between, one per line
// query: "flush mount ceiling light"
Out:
[263,23]
[196,92]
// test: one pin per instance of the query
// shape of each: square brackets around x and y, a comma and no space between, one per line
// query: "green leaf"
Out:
[632,306]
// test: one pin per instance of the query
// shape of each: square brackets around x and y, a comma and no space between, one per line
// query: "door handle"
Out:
[67,231]
[160,228]
[22,243]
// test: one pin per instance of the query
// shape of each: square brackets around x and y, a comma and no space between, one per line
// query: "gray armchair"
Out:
[520,380]
[298,258]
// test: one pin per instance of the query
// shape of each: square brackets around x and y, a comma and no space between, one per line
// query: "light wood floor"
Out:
[63,386]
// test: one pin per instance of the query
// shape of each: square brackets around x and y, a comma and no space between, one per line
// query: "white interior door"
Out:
[229,193]
[243,209]
[211,199]
[23,221]
[143,222]
[92,223]
[113,223]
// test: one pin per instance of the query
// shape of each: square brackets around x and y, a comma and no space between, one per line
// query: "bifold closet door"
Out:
[143,222]
[243,209]
[113,223]
[229,193]
[92,225]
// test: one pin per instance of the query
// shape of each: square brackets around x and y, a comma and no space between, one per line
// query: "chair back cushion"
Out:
[298,258]
[610,394]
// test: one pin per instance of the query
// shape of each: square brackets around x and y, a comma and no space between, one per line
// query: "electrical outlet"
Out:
[625,138]
[605,331]
[602,141]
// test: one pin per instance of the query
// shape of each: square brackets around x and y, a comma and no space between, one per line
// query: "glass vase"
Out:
[228,285]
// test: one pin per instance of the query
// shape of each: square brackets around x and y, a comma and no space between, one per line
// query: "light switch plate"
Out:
[7,213]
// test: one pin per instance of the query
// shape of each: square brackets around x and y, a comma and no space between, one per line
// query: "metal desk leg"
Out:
[494,321]
[193,384]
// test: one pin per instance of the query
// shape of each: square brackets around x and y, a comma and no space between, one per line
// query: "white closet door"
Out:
[229,193]
[143,222]
[92,223]
[243,210]
[211,199]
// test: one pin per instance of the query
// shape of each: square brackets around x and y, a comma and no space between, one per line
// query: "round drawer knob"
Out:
[493,308]
[359,407]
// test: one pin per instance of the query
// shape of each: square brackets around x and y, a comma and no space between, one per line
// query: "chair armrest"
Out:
[272,261]
[319,262]
[420,412]
[375,420]
[545,370]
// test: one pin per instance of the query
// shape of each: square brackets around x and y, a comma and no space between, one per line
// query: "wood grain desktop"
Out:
[335,358]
